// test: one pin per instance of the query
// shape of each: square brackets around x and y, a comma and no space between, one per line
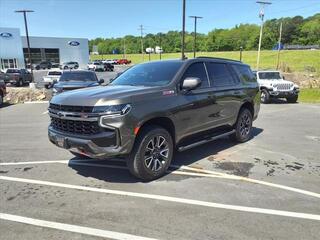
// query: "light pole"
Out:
[160,46]
[279,45]
[27,35]
[195,35]
[261,15]
[241,48]
[141,32]
[183,27]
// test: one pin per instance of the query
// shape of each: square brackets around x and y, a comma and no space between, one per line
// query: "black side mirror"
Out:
[191,83]
[101,81]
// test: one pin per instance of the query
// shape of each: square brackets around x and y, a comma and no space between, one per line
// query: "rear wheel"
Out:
[265,96]
[65,67]
[243,126]
[292,99]
[152,153]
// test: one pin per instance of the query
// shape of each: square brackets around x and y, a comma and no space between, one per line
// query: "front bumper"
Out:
[101,145]
[284,94]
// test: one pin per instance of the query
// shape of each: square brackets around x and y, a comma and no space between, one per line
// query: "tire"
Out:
[37,68]
[79,155]
[292,99]
[265,96]
[19,83]
[1,99]
[76,67]
[243,126]
[148,160]
[65,67]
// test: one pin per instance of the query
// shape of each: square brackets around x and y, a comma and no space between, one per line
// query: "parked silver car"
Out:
[69,65]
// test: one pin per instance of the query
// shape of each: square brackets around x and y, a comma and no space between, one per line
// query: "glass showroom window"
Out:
[9,63]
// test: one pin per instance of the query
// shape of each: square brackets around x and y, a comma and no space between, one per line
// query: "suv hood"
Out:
[102,95]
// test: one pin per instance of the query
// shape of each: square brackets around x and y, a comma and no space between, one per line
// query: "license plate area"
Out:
[60,141]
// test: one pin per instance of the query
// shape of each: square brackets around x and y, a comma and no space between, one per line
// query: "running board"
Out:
[183,148]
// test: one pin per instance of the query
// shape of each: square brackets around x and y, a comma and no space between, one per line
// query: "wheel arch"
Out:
[164,122]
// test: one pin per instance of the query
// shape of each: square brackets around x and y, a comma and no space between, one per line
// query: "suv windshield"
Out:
[13,71]
[269,75]
[149,74]
[78,76]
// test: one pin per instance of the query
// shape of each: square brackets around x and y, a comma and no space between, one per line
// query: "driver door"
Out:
[196,105]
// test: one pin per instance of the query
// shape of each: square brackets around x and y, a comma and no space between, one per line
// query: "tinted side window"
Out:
[219,74]
[197,70]
[244,73]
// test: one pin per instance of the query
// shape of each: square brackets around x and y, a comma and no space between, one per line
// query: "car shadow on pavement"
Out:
[5,104]
[180,158]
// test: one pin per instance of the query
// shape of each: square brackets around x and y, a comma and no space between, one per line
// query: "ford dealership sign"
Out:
[73,43]
[6,35]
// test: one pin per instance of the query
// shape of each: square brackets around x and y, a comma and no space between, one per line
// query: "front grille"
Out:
[284,86]
[76,127]
[67,108]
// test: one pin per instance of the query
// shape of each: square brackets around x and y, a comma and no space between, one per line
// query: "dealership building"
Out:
[14,49]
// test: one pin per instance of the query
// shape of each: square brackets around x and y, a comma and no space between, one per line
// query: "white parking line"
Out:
[169,199]
[32,102]
[195,172]
[45,112]
[72,228]
[34,162]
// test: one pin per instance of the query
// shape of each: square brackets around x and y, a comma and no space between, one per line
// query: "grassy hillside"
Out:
[296,61]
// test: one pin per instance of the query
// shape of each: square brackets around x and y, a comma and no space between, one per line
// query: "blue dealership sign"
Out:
[6,35]
[73,43]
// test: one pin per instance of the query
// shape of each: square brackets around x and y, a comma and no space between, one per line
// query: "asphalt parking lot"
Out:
[267,188]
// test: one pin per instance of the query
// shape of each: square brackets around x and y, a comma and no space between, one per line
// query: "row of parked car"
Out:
[75,65]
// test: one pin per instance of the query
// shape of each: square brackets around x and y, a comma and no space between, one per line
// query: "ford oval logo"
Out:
[6,35]
[73,43]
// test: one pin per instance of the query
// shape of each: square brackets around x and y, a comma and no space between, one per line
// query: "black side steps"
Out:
[209,139]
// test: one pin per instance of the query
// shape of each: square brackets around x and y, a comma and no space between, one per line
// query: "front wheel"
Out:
[243,126]
[152,153]
[265,96]
[292,99]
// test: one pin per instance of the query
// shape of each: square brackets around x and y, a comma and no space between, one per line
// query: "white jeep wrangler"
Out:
[273,85]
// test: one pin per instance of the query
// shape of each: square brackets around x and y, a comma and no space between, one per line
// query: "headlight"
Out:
[56,90]
[113,110]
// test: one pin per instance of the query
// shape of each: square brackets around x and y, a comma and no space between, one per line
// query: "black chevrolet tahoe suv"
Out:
[155,108]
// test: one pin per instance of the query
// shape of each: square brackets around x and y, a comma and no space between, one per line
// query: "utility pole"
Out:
[124,47]
[141,31]
[27,35]
[195,35]
[183,28]
[160,47]
[279,45]
[261,15]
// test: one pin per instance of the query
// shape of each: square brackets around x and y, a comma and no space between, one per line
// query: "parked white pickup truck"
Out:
[52,76]
[273,85]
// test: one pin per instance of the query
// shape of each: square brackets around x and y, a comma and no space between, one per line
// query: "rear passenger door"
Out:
[226,92]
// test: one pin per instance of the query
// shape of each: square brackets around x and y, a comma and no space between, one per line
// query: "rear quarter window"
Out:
[219,74]
[244,72]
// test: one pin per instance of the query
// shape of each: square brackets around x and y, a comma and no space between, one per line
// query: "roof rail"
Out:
[220,59]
